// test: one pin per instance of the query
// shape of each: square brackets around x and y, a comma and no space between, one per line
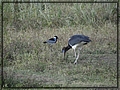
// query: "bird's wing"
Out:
[76,39]
[51,40]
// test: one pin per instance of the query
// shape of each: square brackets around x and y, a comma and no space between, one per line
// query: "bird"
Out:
[51,41]
[76,42]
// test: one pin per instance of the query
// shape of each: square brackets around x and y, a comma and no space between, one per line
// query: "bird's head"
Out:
[64,51]
[56,37]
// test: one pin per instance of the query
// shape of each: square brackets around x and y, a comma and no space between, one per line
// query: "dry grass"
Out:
[30,63]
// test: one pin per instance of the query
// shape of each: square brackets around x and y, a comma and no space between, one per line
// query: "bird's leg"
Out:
[77,57]
[75,53]
[51,48]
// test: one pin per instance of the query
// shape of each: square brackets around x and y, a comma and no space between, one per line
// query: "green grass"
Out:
[30,63]
[52,74]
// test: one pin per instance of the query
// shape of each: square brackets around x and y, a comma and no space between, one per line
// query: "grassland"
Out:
[30,63]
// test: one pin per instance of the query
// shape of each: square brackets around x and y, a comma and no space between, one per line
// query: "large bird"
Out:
[76,42]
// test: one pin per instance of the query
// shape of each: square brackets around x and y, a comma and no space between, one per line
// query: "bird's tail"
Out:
[45,42]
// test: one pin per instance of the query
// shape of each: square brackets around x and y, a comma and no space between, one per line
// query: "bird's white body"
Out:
[76,46]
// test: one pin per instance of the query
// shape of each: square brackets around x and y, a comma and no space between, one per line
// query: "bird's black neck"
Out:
[67,48]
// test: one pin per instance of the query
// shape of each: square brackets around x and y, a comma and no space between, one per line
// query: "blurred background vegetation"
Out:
[29,63]
[39,15]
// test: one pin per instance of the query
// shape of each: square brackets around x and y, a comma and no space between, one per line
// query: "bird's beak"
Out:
[63,51]
[64,56]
